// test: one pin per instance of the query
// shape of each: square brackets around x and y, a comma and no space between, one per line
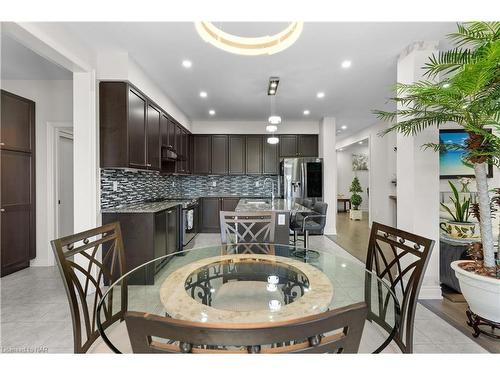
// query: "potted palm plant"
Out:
[467,95]
[460,226]
[355,213]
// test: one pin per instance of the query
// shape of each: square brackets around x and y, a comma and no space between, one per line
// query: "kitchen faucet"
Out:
[272,186]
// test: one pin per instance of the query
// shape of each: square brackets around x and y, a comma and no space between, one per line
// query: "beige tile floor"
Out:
[34,312]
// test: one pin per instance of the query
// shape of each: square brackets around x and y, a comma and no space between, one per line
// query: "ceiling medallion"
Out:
[266,45]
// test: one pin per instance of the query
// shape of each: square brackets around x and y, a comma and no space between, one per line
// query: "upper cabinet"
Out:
[307,145]
[236,154]
[288,146]
[134,130]
[219,154]
[202,154]
[298,145]
[270,157]
[153,138]
[254,154]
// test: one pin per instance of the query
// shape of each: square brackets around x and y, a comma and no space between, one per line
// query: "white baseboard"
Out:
[430,292]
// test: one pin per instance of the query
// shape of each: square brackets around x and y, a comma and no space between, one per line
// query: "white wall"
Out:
[54,103]
[382,169]
[345,174]
[120,66]
[253,127]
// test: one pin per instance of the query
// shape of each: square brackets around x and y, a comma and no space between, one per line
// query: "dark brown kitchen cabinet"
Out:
[147,236]
[288,145]
[219,154]
[270,158]
[133,129]
[253,154]
[202,154]
[181,149]
[17,157]
[137,129]
[209,217]
[154,138]
[237,154]
[229,204]
[187,151]
[307,145]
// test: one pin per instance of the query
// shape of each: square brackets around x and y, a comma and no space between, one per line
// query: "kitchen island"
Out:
[283,208]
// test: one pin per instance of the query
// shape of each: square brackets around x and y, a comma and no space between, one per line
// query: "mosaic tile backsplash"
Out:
[137,186]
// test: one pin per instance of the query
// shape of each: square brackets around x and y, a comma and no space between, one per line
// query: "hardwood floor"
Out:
[352,235]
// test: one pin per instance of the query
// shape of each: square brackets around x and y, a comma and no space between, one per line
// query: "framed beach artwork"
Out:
[450,162]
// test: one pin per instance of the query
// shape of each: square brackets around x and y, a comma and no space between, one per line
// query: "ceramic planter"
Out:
[482,293]
[355,214]
[457,229]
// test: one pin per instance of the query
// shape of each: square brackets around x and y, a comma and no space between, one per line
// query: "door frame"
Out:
[55,130]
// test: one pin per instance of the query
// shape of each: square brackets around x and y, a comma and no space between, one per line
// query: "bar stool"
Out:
[314,221]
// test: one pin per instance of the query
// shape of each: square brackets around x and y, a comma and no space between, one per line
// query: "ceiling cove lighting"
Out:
[346,64]
[187,64]
[306,112]
[272,87]
[211,112]
[203,94]
[273,140]
[253,46]
[320,95]
[271,128]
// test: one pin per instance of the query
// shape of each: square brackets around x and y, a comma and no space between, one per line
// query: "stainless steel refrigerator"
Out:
[301,178]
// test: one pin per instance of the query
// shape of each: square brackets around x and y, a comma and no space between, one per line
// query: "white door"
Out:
[65,185]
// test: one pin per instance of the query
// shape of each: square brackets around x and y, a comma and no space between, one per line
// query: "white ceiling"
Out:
[236,85]
[21,63]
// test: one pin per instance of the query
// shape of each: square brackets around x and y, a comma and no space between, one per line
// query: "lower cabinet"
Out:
[210,210]
[147,236]
[209,218]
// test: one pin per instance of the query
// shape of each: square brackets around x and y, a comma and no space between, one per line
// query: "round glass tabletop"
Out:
[249,284]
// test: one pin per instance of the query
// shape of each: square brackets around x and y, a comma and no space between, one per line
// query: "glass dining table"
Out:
[248,283]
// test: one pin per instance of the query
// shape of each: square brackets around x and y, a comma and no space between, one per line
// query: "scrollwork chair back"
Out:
[102,262]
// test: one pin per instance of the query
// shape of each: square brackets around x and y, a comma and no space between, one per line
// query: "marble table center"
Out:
[245,288]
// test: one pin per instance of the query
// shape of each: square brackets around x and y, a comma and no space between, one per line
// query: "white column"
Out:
[418,173]
[327,141]
[86,170]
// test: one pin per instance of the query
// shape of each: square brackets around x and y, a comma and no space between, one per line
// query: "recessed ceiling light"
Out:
[203,94]
[343,127]
[211,112]
[320,95]
[187,64]
[341,149]
[360,142]
[346,64]
[307,112]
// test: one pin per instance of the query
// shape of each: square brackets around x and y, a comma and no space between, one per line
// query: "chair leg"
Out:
[306,253]
[294,238]
[306,239]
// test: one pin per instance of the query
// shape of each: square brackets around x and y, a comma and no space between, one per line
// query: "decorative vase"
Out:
[457,229]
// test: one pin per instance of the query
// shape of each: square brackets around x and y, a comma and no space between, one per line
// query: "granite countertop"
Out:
[268,204]
[142,207]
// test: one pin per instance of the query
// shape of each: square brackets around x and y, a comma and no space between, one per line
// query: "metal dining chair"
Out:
[334,331]
[102,262]
[314,221]
[400,258]
[250,232]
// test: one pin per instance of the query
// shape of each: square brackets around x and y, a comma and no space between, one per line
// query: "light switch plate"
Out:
[214,184]
[281,219]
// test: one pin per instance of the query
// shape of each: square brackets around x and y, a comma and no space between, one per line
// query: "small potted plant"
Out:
[355,213]
[460,226]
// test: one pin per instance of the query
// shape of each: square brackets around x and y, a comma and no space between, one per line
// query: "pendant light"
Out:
[274,120]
